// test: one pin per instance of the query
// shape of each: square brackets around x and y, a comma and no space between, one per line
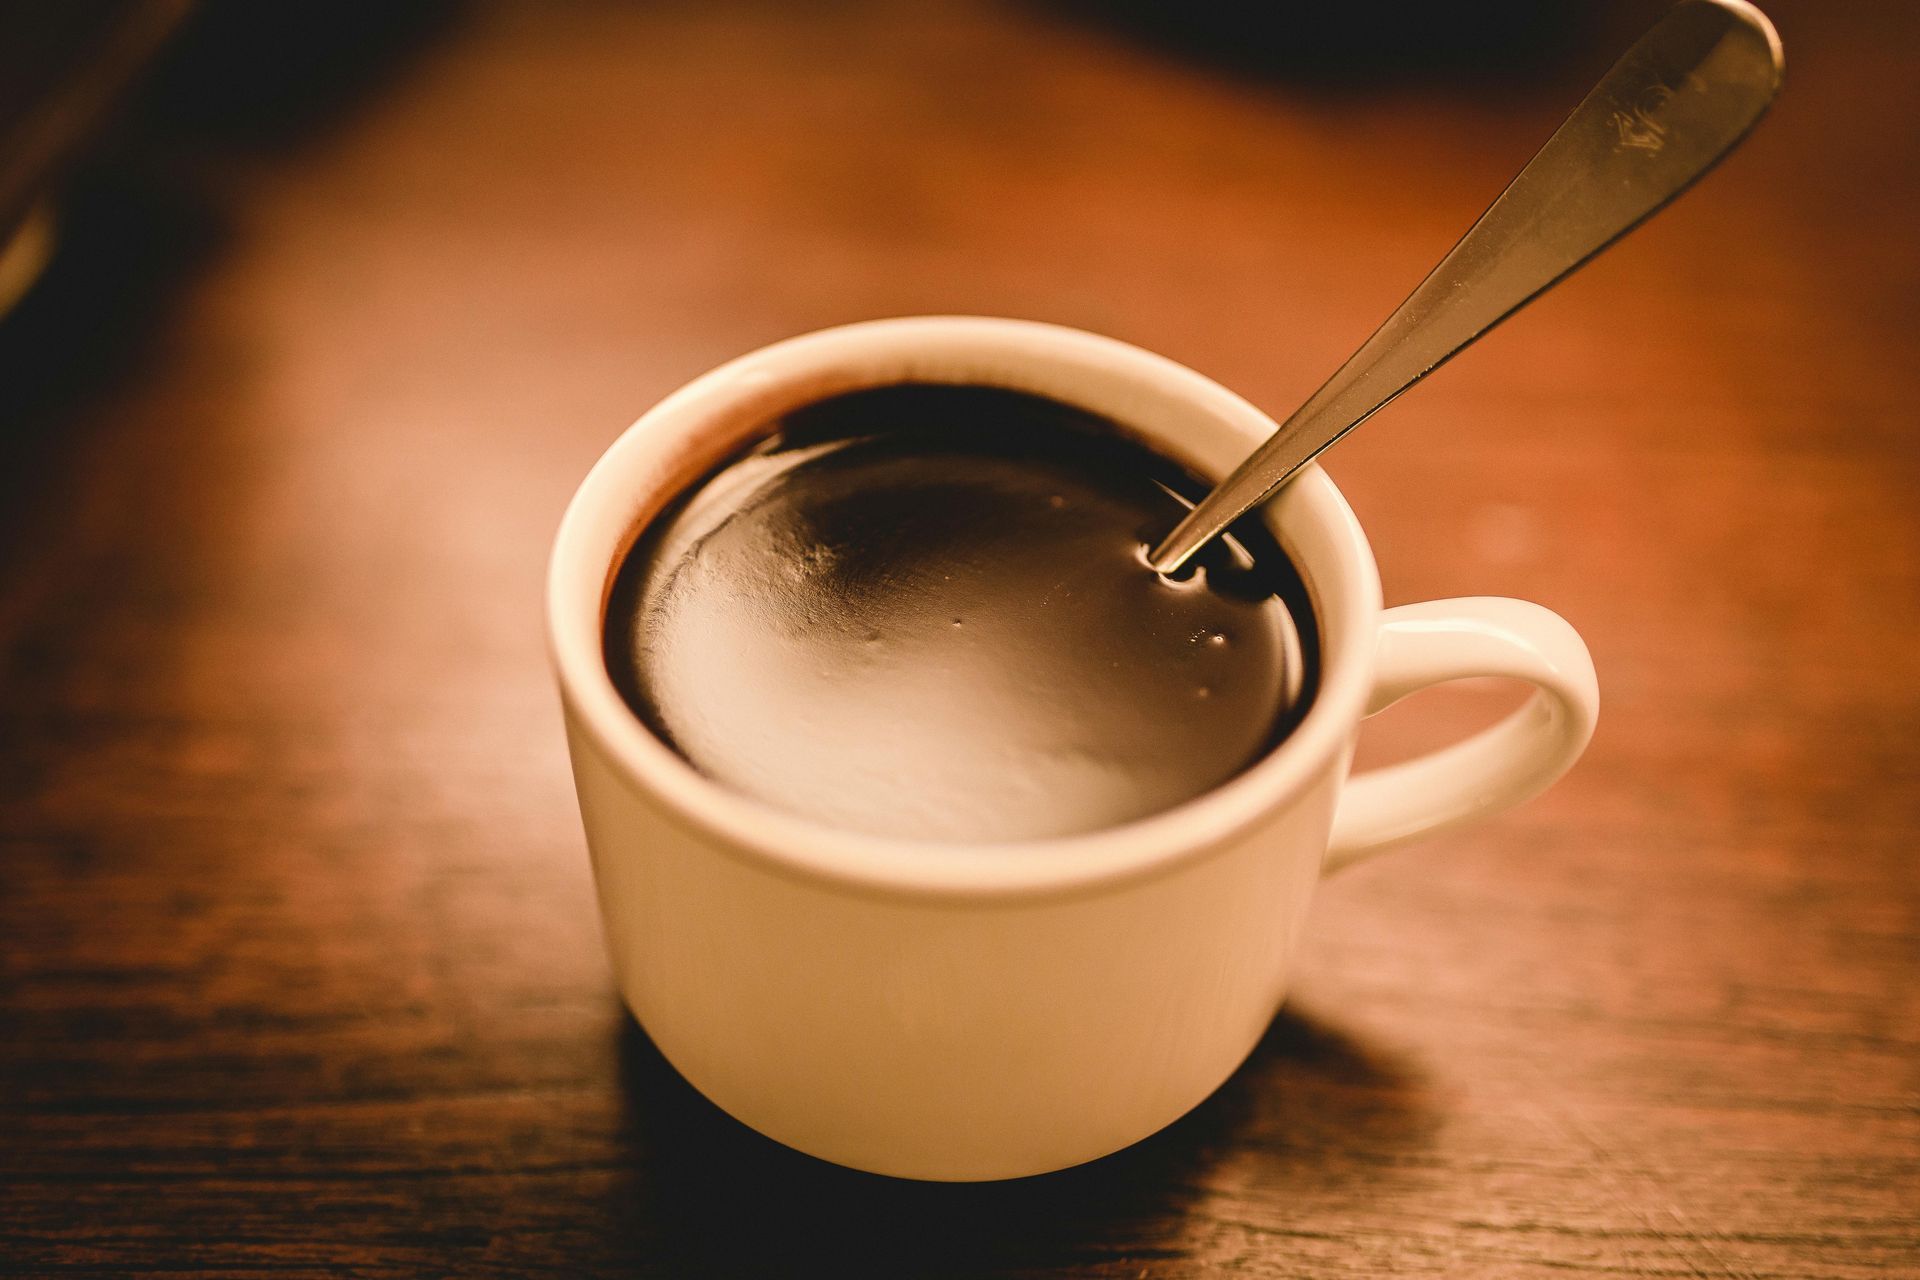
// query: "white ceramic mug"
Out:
[963,1012]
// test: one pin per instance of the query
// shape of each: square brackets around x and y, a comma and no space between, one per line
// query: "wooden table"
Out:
[301,967]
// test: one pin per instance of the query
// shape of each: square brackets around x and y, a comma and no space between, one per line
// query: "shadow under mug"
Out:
[965,1012]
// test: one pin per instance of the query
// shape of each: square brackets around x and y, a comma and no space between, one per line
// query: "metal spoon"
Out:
[1676,102]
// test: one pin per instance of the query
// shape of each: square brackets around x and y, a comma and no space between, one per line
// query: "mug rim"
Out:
[677,441]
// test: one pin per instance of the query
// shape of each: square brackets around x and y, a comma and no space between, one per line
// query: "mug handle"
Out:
[1421,645]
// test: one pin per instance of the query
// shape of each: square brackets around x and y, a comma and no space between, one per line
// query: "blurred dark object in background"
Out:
[128,130]
[120,124]
[63,69]
[221,73]
[1336,43]
[250,73]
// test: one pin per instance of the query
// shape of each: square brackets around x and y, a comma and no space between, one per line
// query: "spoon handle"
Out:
[1676,102]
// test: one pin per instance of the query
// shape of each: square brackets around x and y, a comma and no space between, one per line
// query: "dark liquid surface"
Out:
[923,611]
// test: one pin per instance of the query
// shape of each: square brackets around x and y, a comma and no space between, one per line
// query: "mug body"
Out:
[936,1010]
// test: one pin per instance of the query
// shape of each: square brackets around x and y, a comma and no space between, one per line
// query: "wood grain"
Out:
[299,966]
